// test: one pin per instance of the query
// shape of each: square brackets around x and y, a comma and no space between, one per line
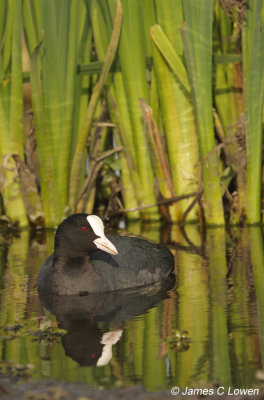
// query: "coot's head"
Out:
[79,234]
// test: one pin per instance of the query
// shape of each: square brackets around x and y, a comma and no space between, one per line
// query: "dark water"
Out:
[208,329]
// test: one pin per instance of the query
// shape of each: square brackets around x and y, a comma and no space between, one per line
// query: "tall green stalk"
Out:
[48,182]
[131,54]
[176,104]
[197,40]
[253,77]
[11,109]
[118,107]
[78,157]
[54,89]
[229,107]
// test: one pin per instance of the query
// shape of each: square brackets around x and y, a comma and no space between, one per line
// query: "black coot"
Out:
[86,261]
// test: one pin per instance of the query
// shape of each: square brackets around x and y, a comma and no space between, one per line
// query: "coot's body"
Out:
[76,268]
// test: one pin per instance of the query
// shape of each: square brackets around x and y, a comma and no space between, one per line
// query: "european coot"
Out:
[86,261]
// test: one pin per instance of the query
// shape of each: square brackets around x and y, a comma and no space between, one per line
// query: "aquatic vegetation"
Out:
[15,372]
[154,117]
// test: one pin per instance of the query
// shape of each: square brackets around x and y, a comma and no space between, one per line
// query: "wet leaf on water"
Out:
[178,340]
[13,328]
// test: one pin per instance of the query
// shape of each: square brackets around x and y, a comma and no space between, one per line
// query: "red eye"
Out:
[84,228]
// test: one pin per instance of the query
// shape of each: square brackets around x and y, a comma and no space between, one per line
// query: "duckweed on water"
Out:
[50,334]
[16,372]
[47,331]
[42,330]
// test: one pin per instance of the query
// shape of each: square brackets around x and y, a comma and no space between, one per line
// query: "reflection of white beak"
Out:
[108,339]
[104,244]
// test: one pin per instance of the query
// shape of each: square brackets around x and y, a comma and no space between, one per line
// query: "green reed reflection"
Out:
[257,260]
[242,315]
[207,331]
[192,310]
[220,362]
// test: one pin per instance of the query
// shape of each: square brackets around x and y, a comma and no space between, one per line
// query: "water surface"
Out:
[206,329]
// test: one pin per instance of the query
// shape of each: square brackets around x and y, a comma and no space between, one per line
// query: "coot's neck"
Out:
[65,254]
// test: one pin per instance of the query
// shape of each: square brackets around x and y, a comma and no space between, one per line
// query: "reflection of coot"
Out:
[84,342]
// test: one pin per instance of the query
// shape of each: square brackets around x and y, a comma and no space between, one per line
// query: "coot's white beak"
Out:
[104,244]
[101,242]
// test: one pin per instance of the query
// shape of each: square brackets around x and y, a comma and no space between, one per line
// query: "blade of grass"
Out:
[31,16]
[168,52]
